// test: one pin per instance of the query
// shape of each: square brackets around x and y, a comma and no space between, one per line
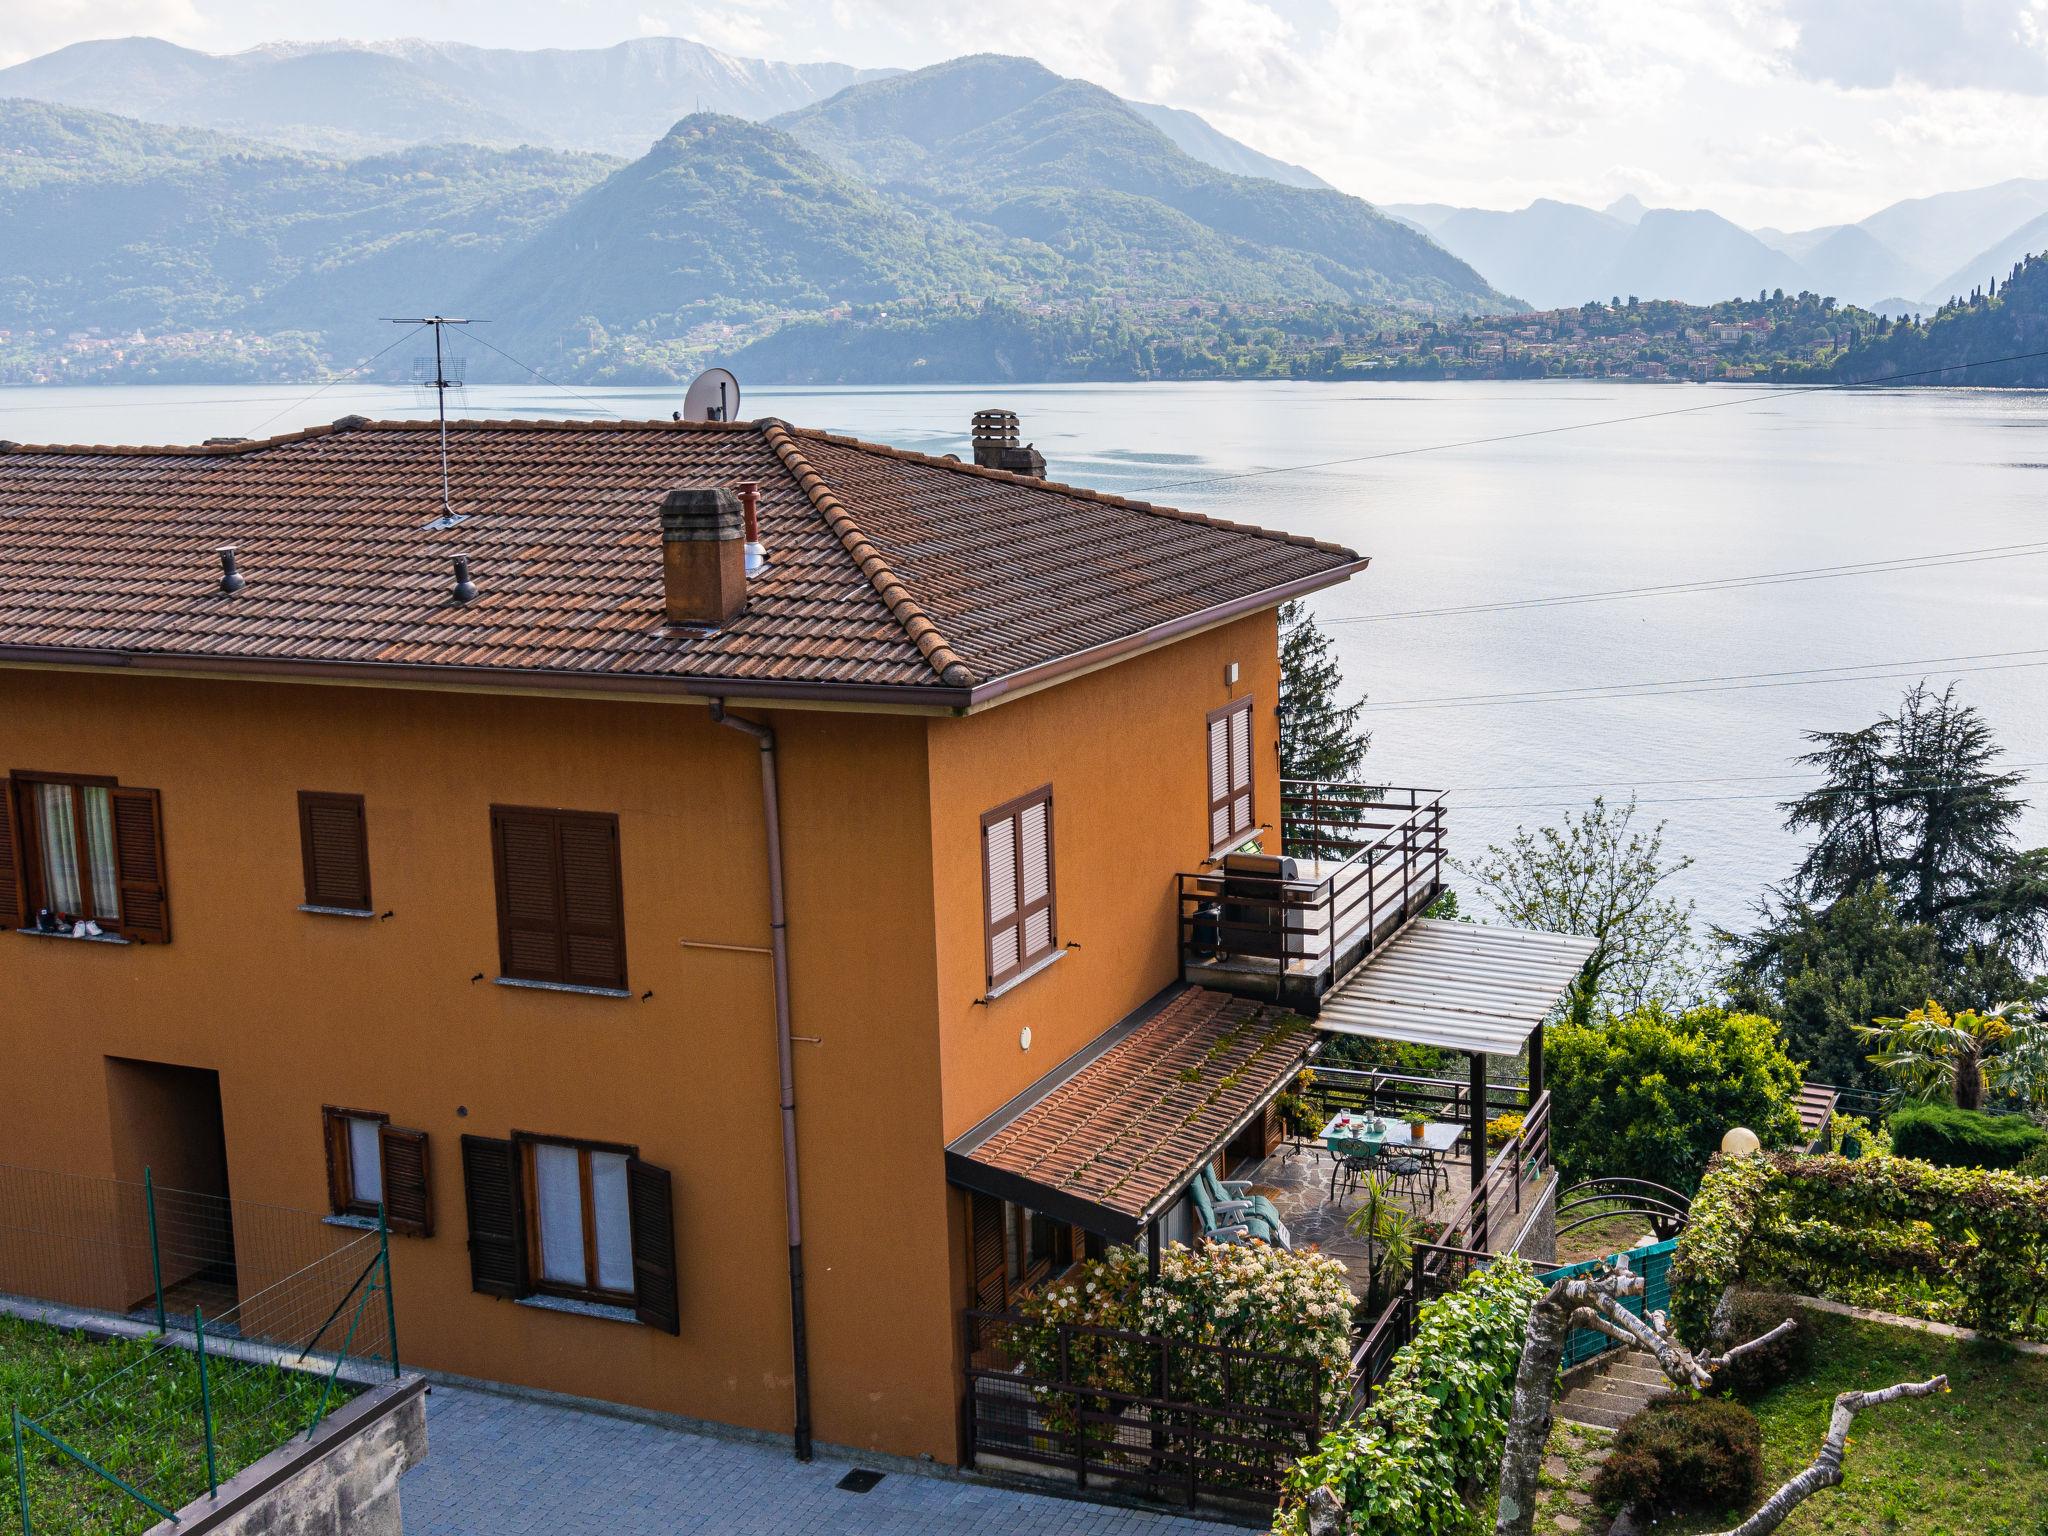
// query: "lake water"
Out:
[1766,481]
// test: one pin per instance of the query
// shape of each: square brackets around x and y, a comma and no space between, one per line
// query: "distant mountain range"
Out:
[988,178]
[357,97]
[1909,256]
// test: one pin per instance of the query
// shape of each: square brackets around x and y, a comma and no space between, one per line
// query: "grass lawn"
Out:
[1597,1239]
[136,1411]
[1972,1463]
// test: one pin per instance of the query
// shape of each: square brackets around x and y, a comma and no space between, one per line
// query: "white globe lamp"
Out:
[1741,1142]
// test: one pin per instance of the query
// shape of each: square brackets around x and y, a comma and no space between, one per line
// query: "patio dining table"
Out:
[1438,1136]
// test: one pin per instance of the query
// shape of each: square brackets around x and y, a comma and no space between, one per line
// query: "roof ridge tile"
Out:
[902,605]
[1079,492]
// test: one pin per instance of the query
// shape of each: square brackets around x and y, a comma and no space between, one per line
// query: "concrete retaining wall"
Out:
[343,1482]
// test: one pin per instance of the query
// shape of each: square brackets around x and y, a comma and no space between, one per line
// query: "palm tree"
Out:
[1935,1056]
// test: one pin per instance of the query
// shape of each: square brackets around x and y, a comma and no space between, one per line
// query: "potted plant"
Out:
[1417,1124]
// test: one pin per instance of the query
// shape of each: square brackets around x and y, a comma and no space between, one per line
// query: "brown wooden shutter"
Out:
[334,1135]
[13,899]
[987,1258]
[408,1196]
[492,1205]
[1230,773]
[334,845]
[561,907]
[593,920]
[529,895]
[1017,877]
[139,864]
[650,1200]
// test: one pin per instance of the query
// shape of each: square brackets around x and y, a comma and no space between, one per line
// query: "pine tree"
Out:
[1319,734]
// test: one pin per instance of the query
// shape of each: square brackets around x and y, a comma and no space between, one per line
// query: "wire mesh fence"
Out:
[256,1322]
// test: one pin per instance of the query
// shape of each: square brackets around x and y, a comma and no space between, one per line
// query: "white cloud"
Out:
[1788,112]
[1948,44]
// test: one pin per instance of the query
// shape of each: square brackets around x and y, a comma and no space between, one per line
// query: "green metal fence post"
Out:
[156,1262]
[390,1306]
[205,1403]
[21,1474]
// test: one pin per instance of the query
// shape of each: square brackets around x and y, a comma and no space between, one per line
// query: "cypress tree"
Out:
[1319,733]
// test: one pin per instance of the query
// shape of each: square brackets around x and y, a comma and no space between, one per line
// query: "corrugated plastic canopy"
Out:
[1461,986]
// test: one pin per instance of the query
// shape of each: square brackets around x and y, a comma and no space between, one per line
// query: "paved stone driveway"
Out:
[501,1466]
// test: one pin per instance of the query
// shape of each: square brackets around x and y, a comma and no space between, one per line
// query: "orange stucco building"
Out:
[492,868]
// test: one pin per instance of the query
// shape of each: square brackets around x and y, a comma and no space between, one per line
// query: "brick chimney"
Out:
[996,445]
[703,555]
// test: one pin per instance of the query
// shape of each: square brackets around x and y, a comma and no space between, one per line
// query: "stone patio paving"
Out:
[1298,1182]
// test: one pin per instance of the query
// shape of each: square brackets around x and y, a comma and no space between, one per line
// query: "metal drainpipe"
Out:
[778,929]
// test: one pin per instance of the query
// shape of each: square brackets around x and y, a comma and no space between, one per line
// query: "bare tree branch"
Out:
[1593,1300]
[1826,1471]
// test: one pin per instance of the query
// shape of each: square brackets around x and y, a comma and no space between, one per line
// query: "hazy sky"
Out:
[1786,112]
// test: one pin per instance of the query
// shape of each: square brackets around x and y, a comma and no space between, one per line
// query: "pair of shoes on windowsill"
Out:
[86,928]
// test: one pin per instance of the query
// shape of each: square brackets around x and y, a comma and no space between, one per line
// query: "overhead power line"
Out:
[1718,583]
[1853,672]
[257,430]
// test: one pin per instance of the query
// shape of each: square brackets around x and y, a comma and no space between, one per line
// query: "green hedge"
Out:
[1964,1138]
[1429,1444]
[1648,1095]
[1956,1245]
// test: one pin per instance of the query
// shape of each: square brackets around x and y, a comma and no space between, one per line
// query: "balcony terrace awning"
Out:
[1110,1138]
[1462,986]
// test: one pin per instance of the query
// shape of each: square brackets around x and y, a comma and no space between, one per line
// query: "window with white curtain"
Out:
[583,1237]
[74,830]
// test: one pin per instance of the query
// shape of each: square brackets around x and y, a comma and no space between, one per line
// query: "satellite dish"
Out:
[713,396]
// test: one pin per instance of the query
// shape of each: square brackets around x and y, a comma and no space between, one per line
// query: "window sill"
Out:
[353,1223]
[337,911]
[574,1308]
[1023,976]
[561,986]
[1236,844]
[76,938]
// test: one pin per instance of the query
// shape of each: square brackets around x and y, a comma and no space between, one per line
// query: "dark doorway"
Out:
[167,1123]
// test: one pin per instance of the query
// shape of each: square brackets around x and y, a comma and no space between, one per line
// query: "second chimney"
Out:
[996,444]
[703,555]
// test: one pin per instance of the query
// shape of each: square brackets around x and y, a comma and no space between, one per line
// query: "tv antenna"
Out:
[441,385]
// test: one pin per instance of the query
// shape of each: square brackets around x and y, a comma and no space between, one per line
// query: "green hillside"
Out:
[144,252]
[724,222]
[1006,143]
[2006,320]
[123,227]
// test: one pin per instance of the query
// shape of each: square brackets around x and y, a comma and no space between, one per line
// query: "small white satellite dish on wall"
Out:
[714,395]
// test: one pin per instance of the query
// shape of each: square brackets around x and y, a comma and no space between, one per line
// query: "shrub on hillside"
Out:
[1649,1095]
[1964,1138]
[1704,1455]
[1749,1315]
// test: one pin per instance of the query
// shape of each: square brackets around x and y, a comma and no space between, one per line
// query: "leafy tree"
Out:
[1597,877]
[1821,971]
[1938,1057]
[1649,1095]
[1319,734]
[1914,805]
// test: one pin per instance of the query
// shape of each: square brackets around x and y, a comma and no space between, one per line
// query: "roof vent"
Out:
[997,444]
[343,423]
[223,442]
[465,589]
[757,553]
[231,580]
[703,555]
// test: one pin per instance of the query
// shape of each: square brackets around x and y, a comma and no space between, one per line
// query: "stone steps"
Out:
[1620,1390]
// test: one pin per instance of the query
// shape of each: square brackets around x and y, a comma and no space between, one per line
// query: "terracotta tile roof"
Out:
[1113,1136]
[1816,1103]
[890,572]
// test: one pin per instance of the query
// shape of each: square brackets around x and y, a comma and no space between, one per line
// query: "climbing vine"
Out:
[1964,1245]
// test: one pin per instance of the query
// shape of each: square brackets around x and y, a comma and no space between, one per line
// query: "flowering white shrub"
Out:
[1245,1299]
